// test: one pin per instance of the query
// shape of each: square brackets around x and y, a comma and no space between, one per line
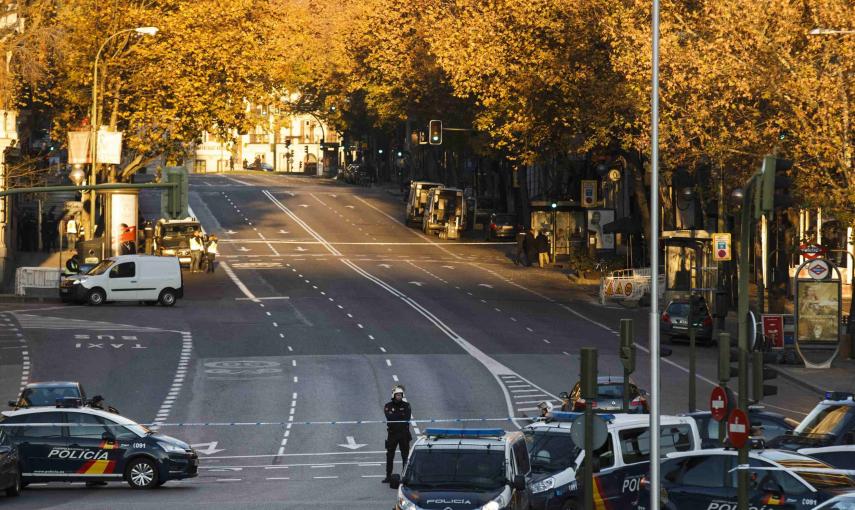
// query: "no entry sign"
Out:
[719,403]
[738,428]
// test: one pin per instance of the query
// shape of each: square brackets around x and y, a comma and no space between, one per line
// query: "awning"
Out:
[627,225]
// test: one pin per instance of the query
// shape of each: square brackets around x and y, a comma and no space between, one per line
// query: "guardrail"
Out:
[36,278]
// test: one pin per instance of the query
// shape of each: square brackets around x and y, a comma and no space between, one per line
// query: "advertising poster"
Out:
[596,219]
[124,223]
[818,311]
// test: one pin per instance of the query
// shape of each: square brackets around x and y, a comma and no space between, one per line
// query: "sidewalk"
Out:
[840,377]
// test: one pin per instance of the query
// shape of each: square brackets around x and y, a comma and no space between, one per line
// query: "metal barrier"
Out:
[36,278]
[628,285]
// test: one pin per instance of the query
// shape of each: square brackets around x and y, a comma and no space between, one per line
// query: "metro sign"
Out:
[812,251]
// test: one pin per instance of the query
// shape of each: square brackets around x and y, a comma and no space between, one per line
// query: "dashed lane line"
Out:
[177,381]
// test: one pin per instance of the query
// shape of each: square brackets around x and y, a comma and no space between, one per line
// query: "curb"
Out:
[785,374]
[12,298]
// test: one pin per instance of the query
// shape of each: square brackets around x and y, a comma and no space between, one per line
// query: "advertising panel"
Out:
[818,311]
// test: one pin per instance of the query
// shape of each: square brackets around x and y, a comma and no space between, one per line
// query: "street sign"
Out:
[812,251]
[773,330]
[738,428]
[719,403]
[600,431]
[589,193]
[818,269]
[721,243]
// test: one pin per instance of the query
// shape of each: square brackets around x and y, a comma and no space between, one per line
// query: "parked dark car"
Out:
[260,165]
[674,321]
[500,226]
[10,470]
[772,425]
[610,396]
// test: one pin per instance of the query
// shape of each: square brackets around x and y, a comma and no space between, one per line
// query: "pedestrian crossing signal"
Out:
[435,132]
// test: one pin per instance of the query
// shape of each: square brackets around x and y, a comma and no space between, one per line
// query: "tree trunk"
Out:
[640,193]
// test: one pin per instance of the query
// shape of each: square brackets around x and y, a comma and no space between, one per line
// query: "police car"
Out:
[777,479]
[827,433]
[619,464]
[74,443]
[465,469]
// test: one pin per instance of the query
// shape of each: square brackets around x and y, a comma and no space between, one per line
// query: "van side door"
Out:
[123,282]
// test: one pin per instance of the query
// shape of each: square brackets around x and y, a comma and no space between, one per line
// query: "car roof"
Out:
[52,384]
[616,420]
[751,412]
[80,410]
[770,455]
[610,379]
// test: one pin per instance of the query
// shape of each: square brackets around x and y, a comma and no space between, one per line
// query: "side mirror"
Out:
[13,403]
[395,481]
[519,483]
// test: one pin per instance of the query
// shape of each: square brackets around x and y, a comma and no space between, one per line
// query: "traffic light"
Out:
[726,356]
[287,141]
[627,346]
[435,132]
[174,201]
[775,184]
[588,373]
[759,374]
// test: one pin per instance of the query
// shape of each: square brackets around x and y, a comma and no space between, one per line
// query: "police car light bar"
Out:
[838,395]
[465,432]
[566,416]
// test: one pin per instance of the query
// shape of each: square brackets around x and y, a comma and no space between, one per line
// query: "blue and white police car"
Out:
[619,464]
[465,469]
[74,443]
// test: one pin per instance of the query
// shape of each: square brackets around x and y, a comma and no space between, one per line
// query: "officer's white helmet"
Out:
[397,389]
[545,406]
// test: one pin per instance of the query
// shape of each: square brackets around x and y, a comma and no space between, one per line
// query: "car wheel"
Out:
[96,297]
[167,297]
[141,474]
[17,486]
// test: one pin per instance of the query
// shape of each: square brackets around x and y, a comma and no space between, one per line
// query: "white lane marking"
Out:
[242,183]
[290,419]
[318,199]
[302,223]
[276,253]
[240,285]
[177,381]
[494,367]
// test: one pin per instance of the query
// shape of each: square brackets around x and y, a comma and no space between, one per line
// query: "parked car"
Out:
[674,321]
[610,396]
[260,165]
[143,278]
[772,425]
[10,466]
[500,226]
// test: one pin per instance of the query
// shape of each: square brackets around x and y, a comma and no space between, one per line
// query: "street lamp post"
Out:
[93,140]
[654,267]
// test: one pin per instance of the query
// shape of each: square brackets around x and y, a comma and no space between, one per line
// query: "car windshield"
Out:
[610,391]
[101,268]
[804,467]
[462,469]
[550,452]
[826,419]
[47,396]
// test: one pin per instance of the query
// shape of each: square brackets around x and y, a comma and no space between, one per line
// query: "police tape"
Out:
[509,419]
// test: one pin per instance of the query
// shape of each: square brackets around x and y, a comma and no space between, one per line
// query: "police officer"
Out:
[397,410]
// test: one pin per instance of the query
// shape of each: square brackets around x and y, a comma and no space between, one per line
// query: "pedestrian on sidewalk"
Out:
[398,433]
[196,250]
[530,247]
[72,229]
[211,252]
[542,249]
[519,258]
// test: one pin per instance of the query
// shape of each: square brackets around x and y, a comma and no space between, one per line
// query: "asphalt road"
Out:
[322,301]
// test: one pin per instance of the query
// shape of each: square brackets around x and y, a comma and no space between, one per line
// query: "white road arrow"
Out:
[387,266]
[209,448]
[284,232]
[417,284]
[230,232]
[485,285]
[304,205]
[351,444]
[244,248]
[448,267]
[300,248]
[334,196]
[291,193]
[349,206]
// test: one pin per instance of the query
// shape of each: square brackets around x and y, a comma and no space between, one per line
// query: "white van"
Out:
[143,278]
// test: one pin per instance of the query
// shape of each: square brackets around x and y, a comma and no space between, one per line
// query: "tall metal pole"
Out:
[745,247]
[654,269]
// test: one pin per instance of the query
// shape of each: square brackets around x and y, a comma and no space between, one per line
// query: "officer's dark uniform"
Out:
[398,433]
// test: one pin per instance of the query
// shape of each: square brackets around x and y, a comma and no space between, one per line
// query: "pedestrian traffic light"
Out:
[775,184]
[627,346]
[435,132]
[726,356]
[588,373]
[759,374]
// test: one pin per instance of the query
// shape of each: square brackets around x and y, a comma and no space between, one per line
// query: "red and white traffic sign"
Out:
[812,251]
[718,403]
[738,428]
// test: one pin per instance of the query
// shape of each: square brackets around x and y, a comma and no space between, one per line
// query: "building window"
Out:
[258,138]
[200,166]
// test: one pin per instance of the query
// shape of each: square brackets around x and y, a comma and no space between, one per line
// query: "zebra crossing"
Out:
[525,395]
[30,321]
